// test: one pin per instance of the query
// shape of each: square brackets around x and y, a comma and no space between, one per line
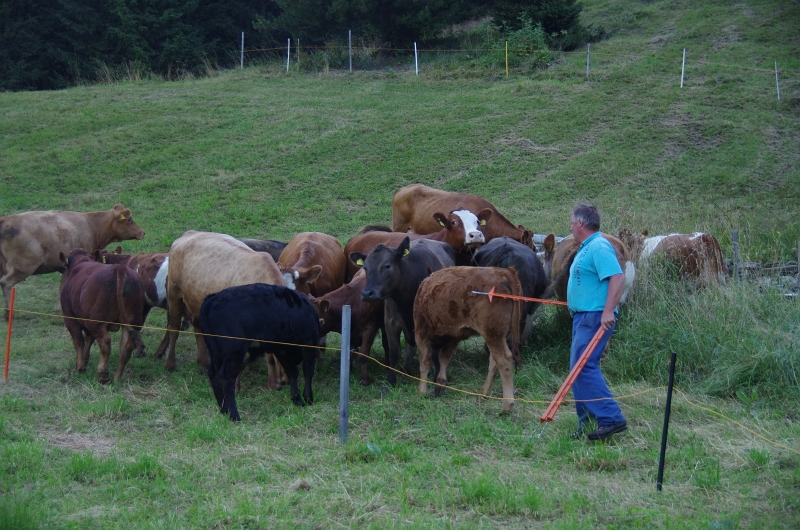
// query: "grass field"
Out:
[261,153]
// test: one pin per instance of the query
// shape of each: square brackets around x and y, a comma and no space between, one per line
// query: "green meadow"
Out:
[259,152]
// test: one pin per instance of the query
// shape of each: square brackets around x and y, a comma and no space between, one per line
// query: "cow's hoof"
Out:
[171,368]
[82,370]
[505,412]
[299,402]
[103,379]
[438,391]
[366,382]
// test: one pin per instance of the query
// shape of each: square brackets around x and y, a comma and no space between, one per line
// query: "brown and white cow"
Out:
[459,229]
[697,256]
[558,259]
[413,206]
[97,298]
[203,263]
[366,318]
[313,263]
[30,242]
[447,312]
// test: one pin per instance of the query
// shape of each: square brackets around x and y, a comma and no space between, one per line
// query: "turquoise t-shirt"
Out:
[594,264]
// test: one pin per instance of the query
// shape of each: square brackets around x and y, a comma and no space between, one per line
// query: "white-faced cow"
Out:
[203,263]
[393,277]
[413,206]
[30,242]
[447,312]
[697,256]
[558,259]
[97,298]
[272,318]
[459,229]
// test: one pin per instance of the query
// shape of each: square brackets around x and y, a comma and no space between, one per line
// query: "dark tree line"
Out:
[51,44]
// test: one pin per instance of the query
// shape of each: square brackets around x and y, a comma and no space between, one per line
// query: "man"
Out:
[595,285]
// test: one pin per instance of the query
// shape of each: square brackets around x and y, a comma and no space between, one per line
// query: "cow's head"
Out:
[549,246]
[382,267]
[104,256]
[634,242]
[300,279]
[329,316]
[75,256]
[527,237]
[122,225]
[463,228]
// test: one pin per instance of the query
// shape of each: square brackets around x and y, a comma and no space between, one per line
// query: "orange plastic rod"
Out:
[550,413]
[492,294]
[8,335]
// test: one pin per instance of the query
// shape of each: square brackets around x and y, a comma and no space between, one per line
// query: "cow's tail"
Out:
[516,310]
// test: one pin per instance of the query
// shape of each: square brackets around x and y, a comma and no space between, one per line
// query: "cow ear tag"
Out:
[66,262]
[406,252]
[360,262]
[441,223]
[483,222]
[121,217]
[104,259]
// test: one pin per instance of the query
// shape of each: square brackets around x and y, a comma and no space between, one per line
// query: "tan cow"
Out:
[697,255]
[413,208]
[30,242]
[313,263]
[203,263]
[558,259]
[447,312]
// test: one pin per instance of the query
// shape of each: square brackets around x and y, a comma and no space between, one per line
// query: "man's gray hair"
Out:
[588,214]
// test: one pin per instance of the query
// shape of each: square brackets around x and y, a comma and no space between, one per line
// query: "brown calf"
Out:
[446,312]
[96,299]
[313,263]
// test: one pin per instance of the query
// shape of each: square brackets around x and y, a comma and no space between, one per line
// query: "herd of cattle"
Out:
[415,278]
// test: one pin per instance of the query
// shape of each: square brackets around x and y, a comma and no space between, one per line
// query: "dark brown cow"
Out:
[202,263]
[270,246]
[313,263]
[697,255]
[412,207]
[459,229]
[366,318]
[152,268]
[558,259]
[30,242]
[447,312]
[95,294]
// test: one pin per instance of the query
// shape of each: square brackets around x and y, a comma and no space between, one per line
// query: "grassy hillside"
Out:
[261,153]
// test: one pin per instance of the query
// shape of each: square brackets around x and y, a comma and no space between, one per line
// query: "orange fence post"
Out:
[550,413]
[8,336]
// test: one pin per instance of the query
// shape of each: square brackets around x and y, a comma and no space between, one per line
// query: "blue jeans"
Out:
[590,383]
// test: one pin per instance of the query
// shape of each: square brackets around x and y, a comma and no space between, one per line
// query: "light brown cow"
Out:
[203,263]
[313,263]
[30,242]
[697,255]
[447,312]
[413,206]
[558,259]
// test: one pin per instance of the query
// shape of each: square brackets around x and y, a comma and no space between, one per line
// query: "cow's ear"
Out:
[124,215]
[117,250]
[63,259]
[549,243]
[313,273]
[324,305]
[358,258]
[644,233]
[484,215]
[405,248]
[440,218]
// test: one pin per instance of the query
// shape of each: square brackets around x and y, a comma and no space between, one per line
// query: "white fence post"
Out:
[588,55]
[777,84]
[350,47]
[416,62]
[344,376]
[683,66]
[241,56]
[288,52]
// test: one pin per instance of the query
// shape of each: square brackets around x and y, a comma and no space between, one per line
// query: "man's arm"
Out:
[616,285]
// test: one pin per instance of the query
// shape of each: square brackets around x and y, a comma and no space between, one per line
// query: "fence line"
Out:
[454,389]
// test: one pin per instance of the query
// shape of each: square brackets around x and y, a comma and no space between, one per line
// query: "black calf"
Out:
[259,312]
